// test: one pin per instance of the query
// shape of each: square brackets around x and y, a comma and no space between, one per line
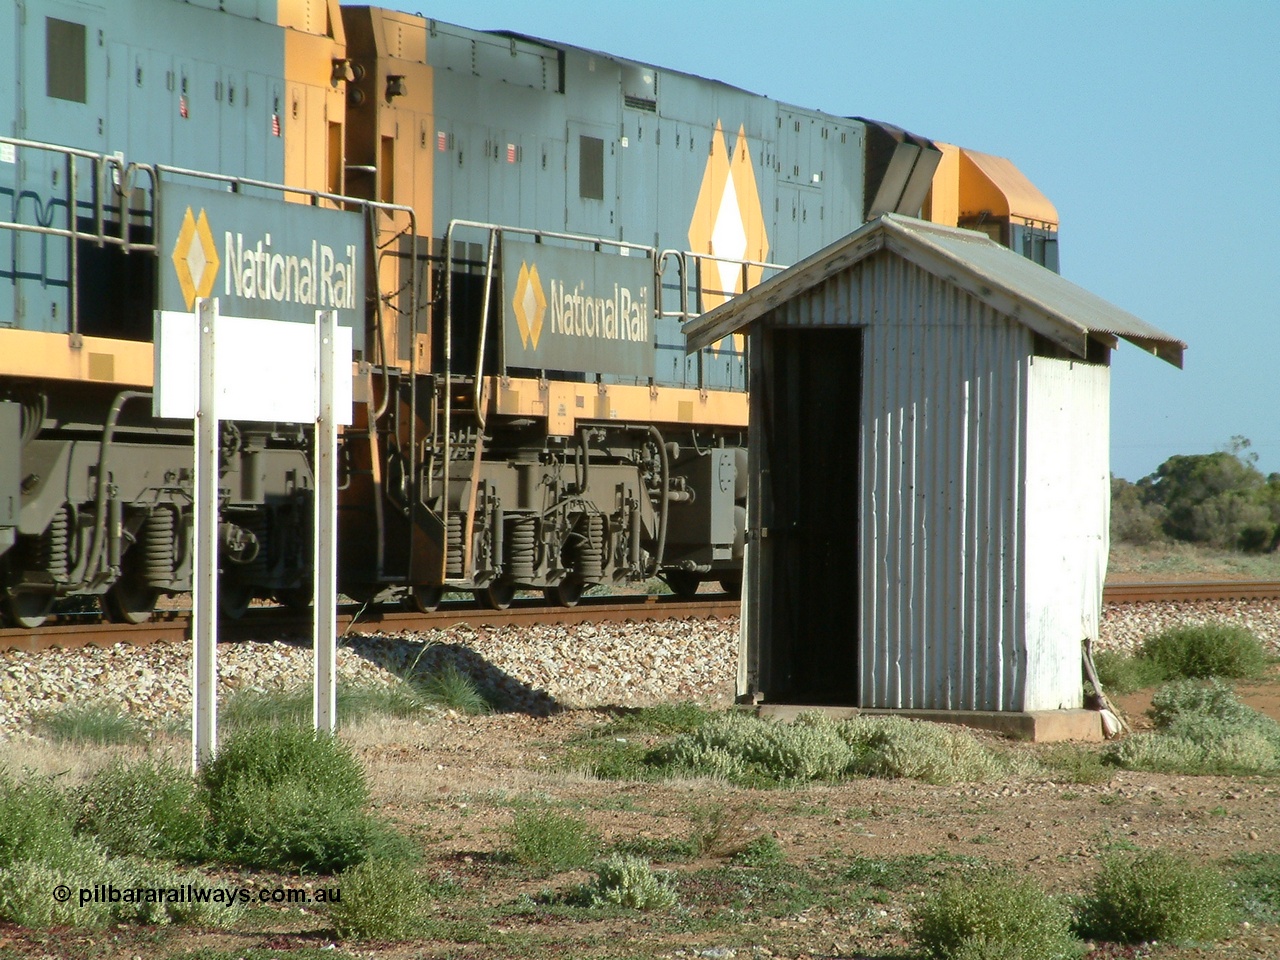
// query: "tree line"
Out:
[1216,499]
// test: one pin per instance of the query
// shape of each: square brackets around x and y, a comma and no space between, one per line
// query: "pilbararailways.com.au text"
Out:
[195,893]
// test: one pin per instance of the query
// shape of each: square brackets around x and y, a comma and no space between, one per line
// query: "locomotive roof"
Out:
[670,71]
[1001,278]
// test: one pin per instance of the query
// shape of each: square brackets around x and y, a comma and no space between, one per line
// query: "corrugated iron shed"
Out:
[929,492]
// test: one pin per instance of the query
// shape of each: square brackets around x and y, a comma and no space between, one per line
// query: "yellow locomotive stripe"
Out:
[563,404]
[60,356]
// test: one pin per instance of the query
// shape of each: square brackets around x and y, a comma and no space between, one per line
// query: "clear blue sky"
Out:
[1153,126]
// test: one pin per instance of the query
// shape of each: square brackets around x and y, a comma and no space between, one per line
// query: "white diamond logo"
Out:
[196,263]
[530,301]
[729,240]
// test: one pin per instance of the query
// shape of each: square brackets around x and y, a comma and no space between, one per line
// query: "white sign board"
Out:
[266,369]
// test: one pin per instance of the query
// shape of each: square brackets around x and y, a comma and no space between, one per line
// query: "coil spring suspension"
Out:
[157,546]
[521,547]
[52,546]
[453,545]
[590,550]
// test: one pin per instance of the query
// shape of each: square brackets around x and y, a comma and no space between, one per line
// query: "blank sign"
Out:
[266,369]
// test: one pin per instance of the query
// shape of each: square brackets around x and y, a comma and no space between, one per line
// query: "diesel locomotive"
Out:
[526,226]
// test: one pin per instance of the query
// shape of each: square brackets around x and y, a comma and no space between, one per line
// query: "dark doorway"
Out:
[814,401]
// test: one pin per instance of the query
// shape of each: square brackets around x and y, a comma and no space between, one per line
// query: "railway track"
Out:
[260,622]
[174,626]
[1187,591]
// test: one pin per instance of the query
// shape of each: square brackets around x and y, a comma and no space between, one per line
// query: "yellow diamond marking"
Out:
[195,258]
[728,221]
[529,305]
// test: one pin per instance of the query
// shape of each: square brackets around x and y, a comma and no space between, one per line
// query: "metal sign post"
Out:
[326,532]
[204,585]
[287,278]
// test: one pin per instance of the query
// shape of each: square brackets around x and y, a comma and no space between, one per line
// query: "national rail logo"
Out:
[728,221]
[195,257]
[529,304]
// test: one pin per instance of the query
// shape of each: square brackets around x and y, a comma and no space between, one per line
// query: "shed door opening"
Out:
[812,449]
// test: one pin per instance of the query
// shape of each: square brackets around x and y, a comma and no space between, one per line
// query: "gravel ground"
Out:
[535,668]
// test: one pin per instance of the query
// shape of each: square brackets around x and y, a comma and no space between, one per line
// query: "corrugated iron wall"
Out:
[941,470]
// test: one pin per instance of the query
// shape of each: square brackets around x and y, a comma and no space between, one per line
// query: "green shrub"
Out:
[26,886]
[146,809]
[381,900]
[1256,537]
[629,882]
[95,723]
[1155,896]
[287,798]
[132,874]
[997,917]
[714,828]
[1122,673]
[125,892]
[908,749]
[748,750]
[663,718]
[1202,729]
[551,842]
[288,827]
[36,821]
[1206,650]
[745,749]
[1188,700]
[265,757]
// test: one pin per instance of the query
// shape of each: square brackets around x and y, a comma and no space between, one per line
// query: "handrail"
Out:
[682,258]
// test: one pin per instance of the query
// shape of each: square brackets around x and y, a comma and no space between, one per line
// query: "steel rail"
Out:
[275,622]
[1190,592]
[278,622]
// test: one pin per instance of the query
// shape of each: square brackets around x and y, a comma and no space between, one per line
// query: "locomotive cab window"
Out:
[65,60]
[590,168]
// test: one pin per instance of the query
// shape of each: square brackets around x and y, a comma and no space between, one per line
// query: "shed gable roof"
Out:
[1006,281]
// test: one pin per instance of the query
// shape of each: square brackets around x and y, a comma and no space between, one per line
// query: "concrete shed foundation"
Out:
[1037,726]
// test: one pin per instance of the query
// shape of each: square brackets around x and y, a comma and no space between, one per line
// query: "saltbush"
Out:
[551,842]
[999,917]
[147,809]
[380,899]
[26,888]
[1156,896]
[1188,700]
[36,822]
[626,881]
[1202,729]
[1206,650]
[749,750]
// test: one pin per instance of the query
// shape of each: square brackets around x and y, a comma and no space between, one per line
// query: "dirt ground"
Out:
[455,784]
